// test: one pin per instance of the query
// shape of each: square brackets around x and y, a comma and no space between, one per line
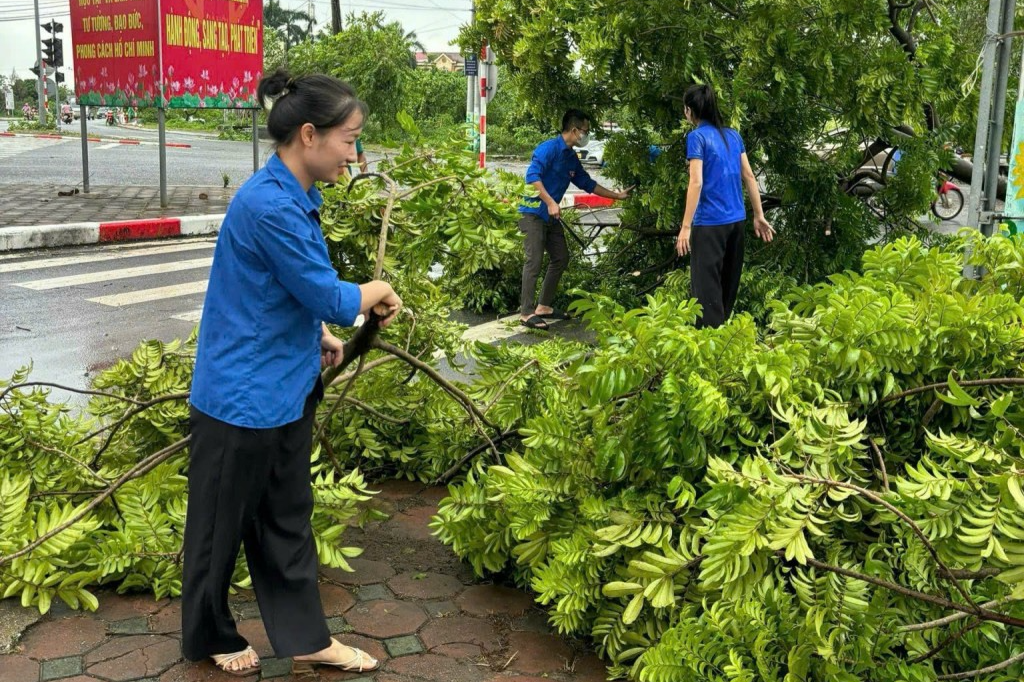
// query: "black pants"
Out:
[542,236]
[716,262]
[251,486]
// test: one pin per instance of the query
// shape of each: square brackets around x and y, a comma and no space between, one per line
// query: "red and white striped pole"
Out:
[483,106]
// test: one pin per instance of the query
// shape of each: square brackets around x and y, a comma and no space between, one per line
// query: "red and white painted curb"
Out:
[77,234]
[113,140]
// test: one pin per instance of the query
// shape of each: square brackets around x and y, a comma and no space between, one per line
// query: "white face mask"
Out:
[584,140]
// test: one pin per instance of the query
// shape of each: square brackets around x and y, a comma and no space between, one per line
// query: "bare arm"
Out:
[693,191]
[750,182]
[692,198]
[602,191]
[762,228]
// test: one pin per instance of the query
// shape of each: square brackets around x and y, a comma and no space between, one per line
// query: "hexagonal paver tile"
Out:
[134,657]
[115,606]
[458,650]
[483,600]
[403,646]
[434,495]
[413,523]
[434,667]
[64,637]
[460,630]
[539,653]
[366,572]
[14,667]
[425,585]
[336,599]
[57,668]
[386,618]
[397,489]
[167,620]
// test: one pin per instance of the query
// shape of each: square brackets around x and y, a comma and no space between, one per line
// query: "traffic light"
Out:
[35,70]
[59,77]
[53,27]
[53,52]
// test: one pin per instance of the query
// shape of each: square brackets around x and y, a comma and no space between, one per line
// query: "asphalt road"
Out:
[203,164]
[73,312]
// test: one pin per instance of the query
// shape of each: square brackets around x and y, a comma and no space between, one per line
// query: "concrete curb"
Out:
[109,140]
[77,234]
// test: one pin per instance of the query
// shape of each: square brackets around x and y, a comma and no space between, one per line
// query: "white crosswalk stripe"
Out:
[103,256]
[12,146]
[140,281]
[109,275]
[149,295]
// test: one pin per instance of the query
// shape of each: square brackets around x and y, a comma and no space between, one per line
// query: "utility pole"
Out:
[42,69]
[996,55]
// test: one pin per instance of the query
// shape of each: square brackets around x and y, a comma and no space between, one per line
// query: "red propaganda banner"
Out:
[168,53]
[212,52]
[116,44]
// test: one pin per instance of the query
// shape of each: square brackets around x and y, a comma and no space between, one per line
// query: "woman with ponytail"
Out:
[263,340]
[712,228]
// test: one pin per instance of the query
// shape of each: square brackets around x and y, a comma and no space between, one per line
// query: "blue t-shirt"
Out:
[721,195]
[555,164]
[271,284]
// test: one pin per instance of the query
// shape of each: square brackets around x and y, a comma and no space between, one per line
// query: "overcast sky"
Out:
[436,22]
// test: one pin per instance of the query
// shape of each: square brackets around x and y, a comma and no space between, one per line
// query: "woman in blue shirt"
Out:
[263,340]
[712,228]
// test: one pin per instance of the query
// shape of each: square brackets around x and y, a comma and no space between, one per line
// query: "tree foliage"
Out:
[793,77]
[782,503]
[371,55]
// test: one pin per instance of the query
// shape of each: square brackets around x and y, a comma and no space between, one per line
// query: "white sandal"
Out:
[222,661]
[359,663]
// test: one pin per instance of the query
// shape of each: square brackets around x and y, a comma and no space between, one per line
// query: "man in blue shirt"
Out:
[554,165]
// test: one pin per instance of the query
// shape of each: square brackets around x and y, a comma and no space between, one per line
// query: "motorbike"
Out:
[66,117]
[950,200]
[110,118]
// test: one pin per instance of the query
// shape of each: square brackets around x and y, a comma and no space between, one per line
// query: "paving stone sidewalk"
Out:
[410,603]
[22,204]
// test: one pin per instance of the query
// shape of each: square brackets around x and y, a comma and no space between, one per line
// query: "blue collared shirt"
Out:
[721,195]
[555,164]
[271,285]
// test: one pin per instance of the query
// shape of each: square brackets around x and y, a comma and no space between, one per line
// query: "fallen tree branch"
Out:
[946,620]
[950,639]
[140,469]
[115,426]
[82,391]
[438,379]
[983,671]
[982,613]
[1002,381]
[455,468]
[881,463]
[944,570]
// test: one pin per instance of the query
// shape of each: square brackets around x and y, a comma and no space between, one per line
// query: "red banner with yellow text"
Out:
[212,52]
[169,53]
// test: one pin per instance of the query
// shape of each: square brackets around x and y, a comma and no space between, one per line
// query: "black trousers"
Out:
[541,236]
[251,486]
[716,262]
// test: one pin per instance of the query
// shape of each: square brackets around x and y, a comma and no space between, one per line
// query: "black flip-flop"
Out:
[534,322]
[556,314]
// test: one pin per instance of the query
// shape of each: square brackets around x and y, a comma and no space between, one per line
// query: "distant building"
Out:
[442,61]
